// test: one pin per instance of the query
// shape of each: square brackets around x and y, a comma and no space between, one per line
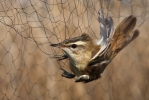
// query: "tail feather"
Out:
[126,26]
[121,37]
[135,35]
[122,32]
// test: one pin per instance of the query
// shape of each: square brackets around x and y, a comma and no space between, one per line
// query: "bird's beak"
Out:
[56,45]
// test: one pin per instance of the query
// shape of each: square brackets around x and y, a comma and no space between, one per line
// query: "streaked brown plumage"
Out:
[86,60]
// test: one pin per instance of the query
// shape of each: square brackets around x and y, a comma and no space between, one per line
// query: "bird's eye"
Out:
[73,46]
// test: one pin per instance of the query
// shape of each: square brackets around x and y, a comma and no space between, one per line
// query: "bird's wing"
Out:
[103,30]
[106,33]
[110,28]
[122,36]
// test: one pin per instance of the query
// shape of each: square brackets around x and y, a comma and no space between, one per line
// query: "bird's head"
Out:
[77,48]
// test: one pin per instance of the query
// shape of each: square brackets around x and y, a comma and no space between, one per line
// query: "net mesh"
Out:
[27,71]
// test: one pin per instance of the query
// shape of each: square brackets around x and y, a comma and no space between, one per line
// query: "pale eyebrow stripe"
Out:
[78,43]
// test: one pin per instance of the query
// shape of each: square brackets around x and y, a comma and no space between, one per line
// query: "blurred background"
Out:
[28,27]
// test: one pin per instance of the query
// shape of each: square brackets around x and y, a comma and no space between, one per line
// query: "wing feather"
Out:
[115,40]
[106,33]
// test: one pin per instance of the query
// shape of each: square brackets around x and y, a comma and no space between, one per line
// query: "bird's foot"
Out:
[67,74]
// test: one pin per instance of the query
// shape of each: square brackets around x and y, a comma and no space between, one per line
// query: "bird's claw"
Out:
[67,74]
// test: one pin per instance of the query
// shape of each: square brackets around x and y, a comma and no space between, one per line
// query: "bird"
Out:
[89,57]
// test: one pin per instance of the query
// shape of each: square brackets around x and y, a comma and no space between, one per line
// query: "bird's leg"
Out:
[67,74]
